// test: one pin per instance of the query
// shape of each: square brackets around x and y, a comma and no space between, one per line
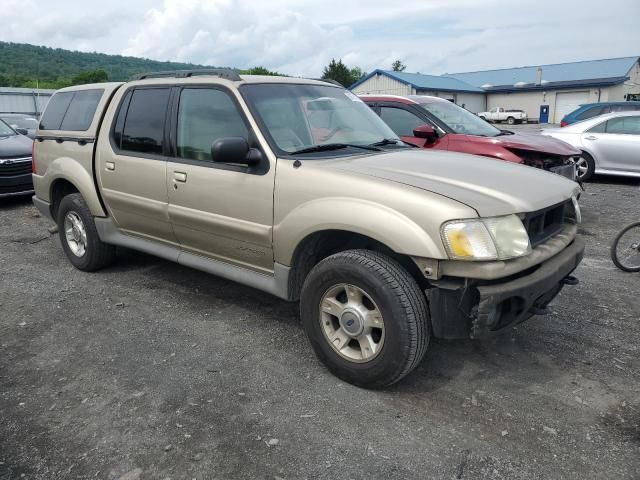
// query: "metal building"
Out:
[559,88]
[24,100]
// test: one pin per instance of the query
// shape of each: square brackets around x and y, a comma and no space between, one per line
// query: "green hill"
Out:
[22,64]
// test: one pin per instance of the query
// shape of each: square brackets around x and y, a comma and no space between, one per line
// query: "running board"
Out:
[276,284]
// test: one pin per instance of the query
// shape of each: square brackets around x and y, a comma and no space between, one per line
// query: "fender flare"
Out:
[74,172]
[374,220]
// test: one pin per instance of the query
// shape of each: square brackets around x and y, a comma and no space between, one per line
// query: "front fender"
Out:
[376,221]
[71,170]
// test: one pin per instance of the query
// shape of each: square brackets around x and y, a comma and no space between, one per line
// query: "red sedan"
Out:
[432,122]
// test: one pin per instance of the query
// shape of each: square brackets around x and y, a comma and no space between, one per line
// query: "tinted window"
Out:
[56,108]
[119,125]
[144,126]
[401,121]
[627,108]
[624,125]
[590,112]
[204,116]
[71,111]
[81,110]
[599,128]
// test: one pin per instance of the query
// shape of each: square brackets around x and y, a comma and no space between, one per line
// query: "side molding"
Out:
[276,285]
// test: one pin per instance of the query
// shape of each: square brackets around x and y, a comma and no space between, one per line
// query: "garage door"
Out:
[567,102]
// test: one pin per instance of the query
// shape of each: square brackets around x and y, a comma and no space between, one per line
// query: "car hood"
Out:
[535,143]
[489,186]
[14,146]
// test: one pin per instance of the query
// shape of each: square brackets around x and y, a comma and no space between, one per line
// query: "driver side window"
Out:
[401,121]
[204,116]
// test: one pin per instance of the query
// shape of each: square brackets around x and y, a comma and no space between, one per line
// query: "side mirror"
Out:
[22,131]
[235,150]
[425,131]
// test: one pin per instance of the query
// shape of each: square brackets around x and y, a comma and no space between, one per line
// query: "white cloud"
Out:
[299,37]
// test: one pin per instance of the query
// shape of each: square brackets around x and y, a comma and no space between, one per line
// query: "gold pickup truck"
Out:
[297,188]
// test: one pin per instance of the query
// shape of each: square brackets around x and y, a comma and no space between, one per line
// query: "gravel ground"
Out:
[151,370]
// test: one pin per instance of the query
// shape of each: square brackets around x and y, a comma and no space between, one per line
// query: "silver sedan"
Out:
[610,144]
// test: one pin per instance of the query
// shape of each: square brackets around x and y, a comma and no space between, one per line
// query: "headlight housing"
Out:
[492,238]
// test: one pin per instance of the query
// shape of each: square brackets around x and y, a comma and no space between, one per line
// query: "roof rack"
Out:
[226,73]
[328,80]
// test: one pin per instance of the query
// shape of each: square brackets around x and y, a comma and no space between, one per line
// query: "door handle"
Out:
[180,177]
[590,137]
[110,166]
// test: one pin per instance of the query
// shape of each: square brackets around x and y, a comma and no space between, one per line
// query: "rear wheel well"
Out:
[320,245]
[60,189]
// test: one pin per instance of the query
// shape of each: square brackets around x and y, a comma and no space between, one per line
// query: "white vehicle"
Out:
[501,114]
[610,144]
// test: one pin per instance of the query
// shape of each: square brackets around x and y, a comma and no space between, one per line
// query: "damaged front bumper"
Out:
[465,308]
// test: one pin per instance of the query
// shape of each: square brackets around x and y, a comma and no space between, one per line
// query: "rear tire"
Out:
[334,296]
[511,120]
[625,252]
[79,236]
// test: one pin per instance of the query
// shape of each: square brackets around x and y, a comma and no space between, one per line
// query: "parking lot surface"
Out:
[150,370]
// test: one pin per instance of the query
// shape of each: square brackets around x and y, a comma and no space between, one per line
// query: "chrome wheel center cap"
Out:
[351,322]
[76,234]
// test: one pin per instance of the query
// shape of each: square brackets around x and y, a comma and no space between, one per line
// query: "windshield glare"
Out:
[303,116]
[22,122]
[460,120]
[5,130]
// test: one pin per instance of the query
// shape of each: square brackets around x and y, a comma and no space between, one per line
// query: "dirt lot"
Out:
[151,370]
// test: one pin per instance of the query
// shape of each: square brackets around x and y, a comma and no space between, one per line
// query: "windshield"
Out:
[22,122]
[303,117]
[5,130]
[460,120]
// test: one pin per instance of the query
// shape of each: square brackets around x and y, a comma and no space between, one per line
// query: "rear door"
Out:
[132,164]
[218,209]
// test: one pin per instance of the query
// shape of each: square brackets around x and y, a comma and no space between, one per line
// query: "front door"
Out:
[402,122]
[616,143]
[218,209]
[131,165]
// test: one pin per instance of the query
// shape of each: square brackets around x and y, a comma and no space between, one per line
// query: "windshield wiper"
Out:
[385,141]
[505,132]
[334,146]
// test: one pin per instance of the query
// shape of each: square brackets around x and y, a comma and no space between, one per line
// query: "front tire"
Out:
[79,236]
[366,317]
[585,167]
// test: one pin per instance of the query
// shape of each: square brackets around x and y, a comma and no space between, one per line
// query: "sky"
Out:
[299,37]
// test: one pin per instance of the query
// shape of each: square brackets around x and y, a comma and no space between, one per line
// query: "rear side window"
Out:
[72,111]
[590,113]
[144,123]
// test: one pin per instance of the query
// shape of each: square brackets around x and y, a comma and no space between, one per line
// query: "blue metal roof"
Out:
[585,72]
[424,82]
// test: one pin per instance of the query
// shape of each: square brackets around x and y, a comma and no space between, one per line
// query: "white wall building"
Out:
[561,87]
[24,100]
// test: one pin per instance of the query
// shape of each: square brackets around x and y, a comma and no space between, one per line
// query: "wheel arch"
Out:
[66,175]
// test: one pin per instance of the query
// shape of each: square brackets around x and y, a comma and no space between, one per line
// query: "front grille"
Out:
[545,223]
[15,168]
[23,187]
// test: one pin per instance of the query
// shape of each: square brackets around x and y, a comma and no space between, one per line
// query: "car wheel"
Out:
[585,167]
[511,120]
[366,317]
[79,236]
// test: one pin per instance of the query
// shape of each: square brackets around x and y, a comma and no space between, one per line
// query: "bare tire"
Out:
[585,167]
[366,317]
[79,236]
[511,120]
[625,249]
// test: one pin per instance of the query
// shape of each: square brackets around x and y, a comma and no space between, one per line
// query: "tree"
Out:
[261,71]
[398,66]
[92,76]
[339,72]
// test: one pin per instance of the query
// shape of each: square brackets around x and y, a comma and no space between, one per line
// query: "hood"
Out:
[15,145]
[535,143]
[491,187]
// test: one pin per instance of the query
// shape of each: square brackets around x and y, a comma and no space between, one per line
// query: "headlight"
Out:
[494,238]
